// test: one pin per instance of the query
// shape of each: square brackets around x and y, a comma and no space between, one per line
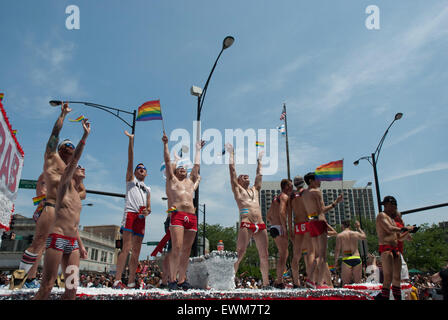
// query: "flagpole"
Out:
[287,145]
[342,180]
[163,126]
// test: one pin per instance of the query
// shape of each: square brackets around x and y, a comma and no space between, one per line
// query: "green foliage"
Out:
[215,232]
[428,249]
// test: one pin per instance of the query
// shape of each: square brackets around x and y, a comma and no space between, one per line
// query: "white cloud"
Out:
[414,172]
[380,63]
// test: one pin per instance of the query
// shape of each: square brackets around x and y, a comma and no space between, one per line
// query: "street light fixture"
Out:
[373,160]
[200,94]
[116,112]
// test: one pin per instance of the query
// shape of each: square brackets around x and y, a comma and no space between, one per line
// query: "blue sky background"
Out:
[341,82]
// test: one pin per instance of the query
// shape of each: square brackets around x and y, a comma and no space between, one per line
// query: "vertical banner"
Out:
[11,163]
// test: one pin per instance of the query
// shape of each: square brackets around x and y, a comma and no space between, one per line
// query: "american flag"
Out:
[283,115]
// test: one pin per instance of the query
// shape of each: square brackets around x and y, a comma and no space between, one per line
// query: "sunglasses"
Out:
[80,167]
[140,167]
[69,145]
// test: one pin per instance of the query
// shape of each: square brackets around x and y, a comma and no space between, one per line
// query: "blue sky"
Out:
[342,85]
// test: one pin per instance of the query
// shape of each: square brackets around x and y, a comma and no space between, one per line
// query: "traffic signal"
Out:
[13,221]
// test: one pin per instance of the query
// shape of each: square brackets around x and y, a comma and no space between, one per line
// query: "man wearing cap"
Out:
[137,208]
[388,237]
[56,158]
[300,235]
[62,243]
[183,220]
[277,216]
[252,225]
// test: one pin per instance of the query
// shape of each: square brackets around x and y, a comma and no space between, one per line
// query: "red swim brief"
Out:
[133,223]
[386,247]
[255,227]
[301,228]
[62,243]
[189,221]
[317,227]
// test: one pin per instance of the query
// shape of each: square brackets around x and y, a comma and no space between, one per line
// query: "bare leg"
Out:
[50,273]
[121,261]
[133,262]
[282,245]
[312,259]
[189,237]
[166,268]
[70,268]
[177,238]
[262,242]
[357,273]
[297,245]
[41,233]
[346,274]
[322,257]
[387,262]
[241,246]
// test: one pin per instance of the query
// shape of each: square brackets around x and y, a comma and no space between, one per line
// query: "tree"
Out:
[428,250]
[216,232]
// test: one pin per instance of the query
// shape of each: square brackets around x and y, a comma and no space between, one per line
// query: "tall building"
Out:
[357,200]
[269,189]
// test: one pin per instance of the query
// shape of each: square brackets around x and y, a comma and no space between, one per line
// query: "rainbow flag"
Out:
[331,171]
[1,96]
[259,144]
[150,110]
[81,117]
[37,200]
[14,131]
[171,210]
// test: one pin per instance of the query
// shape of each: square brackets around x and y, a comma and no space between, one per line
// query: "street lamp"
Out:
[373,160]
[116,112]
[203,228]
[200,93]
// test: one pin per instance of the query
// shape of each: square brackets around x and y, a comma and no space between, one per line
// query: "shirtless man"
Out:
[388,236]
[166,259]
[62,244]
[318,226]
[56,159]
[252,224]
[300,235]
[347,243]
[277,216]
[183,221]
[137,208]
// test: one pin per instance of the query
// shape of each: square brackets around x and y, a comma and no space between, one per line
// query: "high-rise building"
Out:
[357,200]
[269,189]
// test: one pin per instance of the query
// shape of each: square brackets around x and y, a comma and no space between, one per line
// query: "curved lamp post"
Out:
[373,160]
[200,93]
[116,112]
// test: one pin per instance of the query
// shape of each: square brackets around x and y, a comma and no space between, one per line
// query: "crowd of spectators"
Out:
[149,276]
